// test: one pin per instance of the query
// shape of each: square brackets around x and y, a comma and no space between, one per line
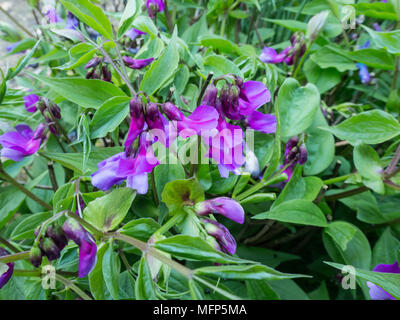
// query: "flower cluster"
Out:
[295,153]
[98,70]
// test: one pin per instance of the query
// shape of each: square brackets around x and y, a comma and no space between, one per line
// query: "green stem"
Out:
[222,31]
[6,176]
[142,246]
[346,194]
[396,73]
[170,223]
[298,67]
[15,21]
[69,284]
[338,179]
[15,257]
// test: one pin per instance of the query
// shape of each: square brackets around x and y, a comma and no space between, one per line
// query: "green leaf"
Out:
[374,58]
[25,229]
[194,248]
[90,14]
[145,24]
[144,286]
[109,116]
[292,25]
[320,146]
[162,69]
[131,9]
[252,272]
[386,249]
[260,290]
[107,212]
[78,55]
[370,127]
[98,287]
[111,269]
[178,193]
[141,229]
[74,161]
[324,79]
[88,93]
[386,40]
[390,282]
[296,211]
[219,43]
[332,57]
[10,199]
[378,10]
[220,66]
[297,106]
[165,173]
[21,65]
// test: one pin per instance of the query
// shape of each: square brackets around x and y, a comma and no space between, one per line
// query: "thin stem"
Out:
[170,223]
[11,180]
[15,257]
[9,245]
[393,163]
[337,179]
[110,60]
[142,246]
[396,73]
[69,284]
[52,175]
[298,67]
[15,21]
[204,87]
[153,185]
[168,17]
[346,194]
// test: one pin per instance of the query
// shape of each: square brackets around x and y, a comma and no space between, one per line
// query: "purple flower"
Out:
[72,22]
[262,122]
[363,73]
[294,154]
[131,165]
[376,292]
[5,275]
[136,63]
[296,49]
[221,234]
[21,143]
[30,102]
[154,6]
[87,246]
[134,33]
[225,206]
[53,16]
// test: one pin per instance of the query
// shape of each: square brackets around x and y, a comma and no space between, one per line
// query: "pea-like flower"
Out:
[154,6]
[6,269]
[87,246]
[30,102]
[21,143]
[225,206]
[224,238]
[376,292]
[295,153]
[136,63]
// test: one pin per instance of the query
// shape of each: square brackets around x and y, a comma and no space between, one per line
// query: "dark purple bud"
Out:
[35,256]
[222,234]
[303,154]
[106,74]
[6,275]
[57,235]
[74,231]
[172,112]
[153,118]
[93,63]
[210,95]
[49,248]
[55,110]
[39,132]
[136,63]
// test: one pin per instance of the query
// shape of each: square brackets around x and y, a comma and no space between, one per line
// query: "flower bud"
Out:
[172,112]
[49,248]
[136,63]
[6,275]
[57,235]
[153,118]
[210,95]
[225,206]
[35,256]
[73,230]
[221,234]
[93,63]
[106,74]
[39,132]
[316,24]
[55,110]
